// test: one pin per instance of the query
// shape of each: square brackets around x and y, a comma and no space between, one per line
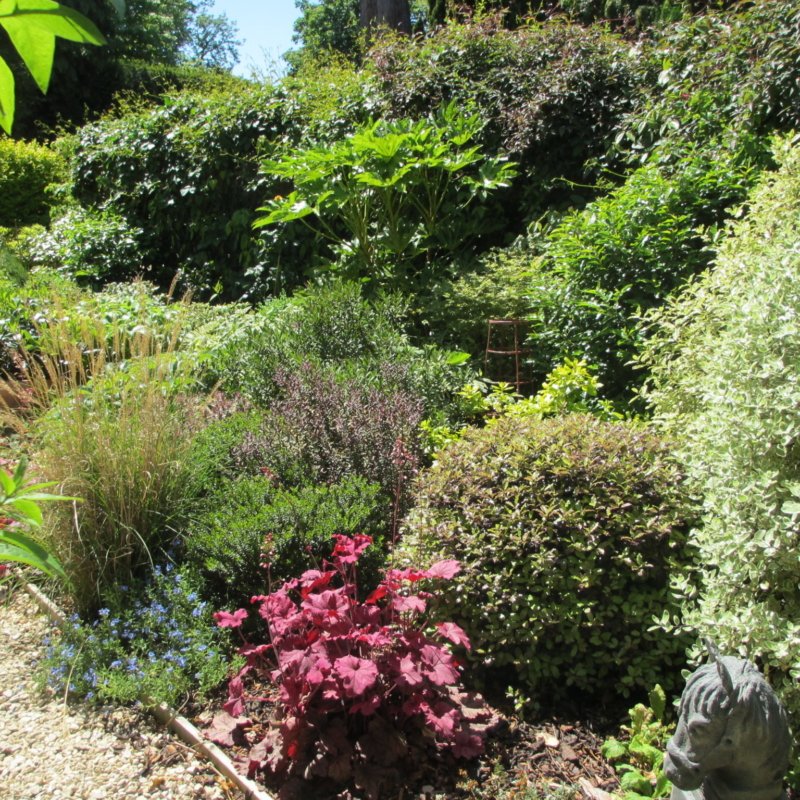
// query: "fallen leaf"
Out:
[592,792]
[567,753]
[548,739]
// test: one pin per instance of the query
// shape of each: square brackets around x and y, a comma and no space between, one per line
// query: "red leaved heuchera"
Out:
[355,685]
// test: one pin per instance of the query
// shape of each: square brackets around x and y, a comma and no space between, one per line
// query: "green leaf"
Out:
[27,509]
[35,46]
[634,781]
[613,749]
[457,357]
[7,484]
[6,97]
[16,546]
[658,702]
[58,20]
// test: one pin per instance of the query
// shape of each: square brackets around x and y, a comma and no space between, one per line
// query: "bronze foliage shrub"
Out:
[567,530]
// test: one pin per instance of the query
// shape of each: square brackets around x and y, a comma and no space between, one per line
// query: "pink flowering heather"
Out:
[355,684]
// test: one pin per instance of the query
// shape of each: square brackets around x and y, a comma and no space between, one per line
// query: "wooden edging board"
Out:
[170,718]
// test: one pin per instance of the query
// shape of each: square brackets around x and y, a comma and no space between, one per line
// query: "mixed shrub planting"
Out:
[578,177]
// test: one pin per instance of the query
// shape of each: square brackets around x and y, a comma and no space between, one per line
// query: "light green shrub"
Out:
[567,530]
[725,364]
[26,171]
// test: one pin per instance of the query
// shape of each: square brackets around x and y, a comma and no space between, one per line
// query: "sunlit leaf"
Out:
[19,548]
[6,97]
[35,46]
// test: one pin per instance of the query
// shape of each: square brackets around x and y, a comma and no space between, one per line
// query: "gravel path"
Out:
[53,751]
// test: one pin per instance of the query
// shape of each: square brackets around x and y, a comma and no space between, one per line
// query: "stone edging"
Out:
[169,718]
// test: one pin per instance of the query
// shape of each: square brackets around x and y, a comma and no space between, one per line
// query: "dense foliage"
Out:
[568,530]
[143,165]
[724,359]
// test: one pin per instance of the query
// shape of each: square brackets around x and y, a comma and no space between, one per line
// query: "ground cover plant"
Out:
[152,642]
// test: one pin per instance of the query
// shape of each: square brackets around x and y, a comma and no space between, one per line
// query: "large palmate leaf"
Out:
[32,26]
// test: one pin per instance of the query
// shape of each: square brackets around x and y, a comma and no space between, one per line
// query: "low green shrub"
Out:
[568,530]
[93,247]
[27,170]
[724,362]
[501,287]
[335,327]
[252,533]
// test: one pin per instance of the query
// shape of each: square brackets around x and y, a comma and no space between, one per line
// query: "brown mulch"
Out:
[521,760]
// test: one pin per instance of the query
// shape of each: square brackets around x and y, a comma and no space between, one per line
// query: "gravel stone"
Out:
[52,750]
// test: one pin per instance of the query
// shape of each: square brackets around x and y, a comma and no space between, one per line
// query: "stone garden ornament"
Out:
[732,738]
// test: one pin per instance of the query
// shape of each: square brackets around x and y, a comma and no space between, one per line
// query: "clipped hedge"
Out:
[568,530]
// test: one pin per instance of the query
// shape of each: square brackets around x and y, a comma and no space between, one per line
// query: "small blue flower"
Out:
[103,612]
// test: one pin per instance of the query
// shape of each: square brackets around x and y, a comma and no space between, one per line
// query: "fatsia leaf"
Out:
[35,46]
[58,20]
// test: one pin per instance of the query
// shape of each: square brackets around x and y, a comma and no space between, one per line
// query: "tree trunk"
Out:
[392,14]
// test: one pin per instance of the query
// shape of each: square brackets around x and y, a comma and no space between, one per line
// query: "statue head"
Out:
[732,733]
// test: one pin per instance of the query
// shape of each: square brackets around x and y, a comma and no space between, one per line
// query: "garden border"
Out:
[168,717]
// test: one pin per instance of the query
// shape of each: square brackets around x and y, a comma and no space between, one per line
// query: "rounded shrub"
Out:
[567,530]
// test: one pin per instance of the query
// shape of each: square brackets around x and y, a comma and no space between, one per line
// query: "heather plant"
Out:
[724,363]
[568,530]
[323,429]
[362,690]
[153,642]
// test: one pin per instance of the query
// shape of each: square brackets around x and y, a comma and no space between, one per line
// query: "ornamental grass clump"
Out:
[359,691]
[567,530]
[111,418]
